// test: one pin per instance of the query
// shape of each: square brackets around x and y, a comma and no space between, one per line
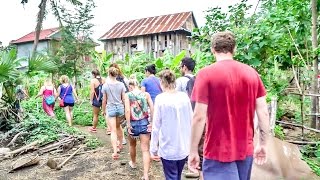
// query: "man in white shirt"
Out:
[186,68]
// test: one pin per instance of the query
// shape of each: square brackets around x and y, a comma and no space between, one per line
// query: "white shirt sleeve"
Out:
[179,85]
[156,124]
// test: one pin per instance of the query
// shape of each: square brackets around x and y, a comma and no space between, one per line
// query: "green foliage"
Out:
[82,115]
[75,42]
[45,129]
[92,143]
[314,165]
[40,63]
[8,65]
[136,63]
[311,154]
[278,130]
[11,76]
[39,125]
[102,61]
[266,39]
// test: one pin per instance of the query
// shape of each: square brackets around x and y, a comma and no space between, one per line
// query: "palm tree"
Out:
[9,73]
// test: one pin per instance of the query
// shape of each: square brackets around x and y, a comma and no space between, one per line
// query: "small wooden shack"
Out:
[154,35]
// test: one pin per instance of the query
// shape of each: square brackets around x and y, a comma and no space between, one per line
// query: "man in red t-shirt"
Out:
[227,94]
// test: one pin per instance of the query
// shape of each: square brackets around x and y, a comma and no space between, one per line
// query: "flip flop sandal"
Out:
[131,165]
[192,175]
[92,129]
[108,131]
[115,156]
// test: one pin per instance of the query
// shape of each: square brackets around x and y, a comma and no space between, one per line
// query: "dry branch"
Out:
[54,165]
[296,46]
[16,137]
[22,149]
[67,142]
[80,153]
[65,161]
[296,79]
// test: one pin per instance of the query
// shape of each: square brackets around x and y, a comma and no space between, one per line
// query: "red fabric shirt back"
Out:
[230,90]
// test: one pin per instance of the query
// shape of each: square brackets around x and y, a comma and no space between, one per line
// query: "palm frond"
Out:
[7,72]
[8,65]
[40,63]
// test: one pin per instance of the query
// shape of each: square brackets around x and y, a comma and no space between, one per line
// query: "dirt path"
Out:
[97,165]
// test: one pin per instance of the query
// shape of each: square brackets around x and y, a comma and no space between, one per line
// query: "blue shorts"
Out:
[139,127]
[236,170]
[115,110]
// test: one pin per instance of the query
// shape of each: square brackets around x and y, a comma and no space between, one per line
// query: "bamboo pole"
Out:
[303,142]
[299,125]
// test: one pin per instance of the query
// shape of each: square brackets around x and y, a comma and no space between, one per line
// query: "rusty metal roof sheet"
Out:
[150,25]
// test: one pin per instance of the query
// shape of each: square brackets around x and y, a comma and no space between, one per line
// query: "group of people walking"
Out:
[205,120]
[153,107]
[65,93]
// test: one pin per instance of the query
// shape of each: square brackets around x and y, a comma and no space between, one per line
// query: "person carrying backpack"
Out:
[48,93]
[185,84]
[186,81]
[96,97]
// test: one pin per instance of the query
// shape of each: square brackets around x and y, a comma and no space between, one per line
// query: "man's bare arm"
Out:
[263,119]
[198,123]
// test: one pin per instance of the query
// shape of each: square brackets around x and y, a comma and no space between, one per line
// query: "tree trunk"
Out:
[315,103]
[41,14]
[75,73]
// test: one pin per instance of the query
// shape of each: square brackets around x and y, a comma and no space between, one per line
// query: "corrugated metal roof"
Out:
[150,25]
[44,34]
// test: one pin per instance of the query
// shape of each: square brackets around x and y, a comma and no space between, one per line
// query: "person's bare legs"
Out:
[145,144]
[133,151]
[95,119]
[71,115]
[68,116]
[201,175]
[113,124]
[119,132]
[107,124]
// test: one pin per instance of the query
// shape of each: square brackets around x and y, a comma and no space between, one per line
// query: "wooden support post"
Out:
[273,114]
[302,113]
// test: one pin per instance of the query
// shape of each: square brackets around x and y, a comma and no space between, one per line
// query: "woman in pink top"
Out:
[47,91]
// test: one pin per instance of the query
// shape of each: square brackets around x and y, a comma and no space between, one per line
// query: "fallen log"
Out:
[16,137]
[59,145]
[22,149]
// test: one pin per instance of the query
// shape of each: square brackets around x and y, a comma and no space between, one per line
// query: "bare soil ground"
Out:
[94,165]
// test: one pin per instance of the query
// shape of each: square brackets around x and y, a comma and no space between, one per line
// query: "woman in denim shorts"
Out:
[137,104]
[113,101]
